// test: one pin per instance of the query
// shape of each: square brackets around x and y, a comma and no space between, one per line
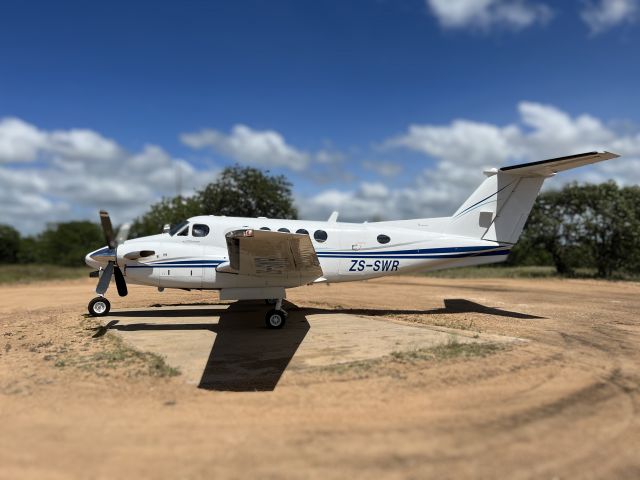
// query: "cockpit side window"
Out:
[177,227]
[200,230]
[184,232]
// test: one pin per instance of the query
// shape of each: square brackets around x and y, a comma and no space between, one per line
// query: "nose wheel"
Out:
[277,317]
[99,307]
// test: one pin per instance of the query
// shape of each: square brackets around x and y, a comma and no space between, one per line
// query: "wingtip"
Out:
[610,154]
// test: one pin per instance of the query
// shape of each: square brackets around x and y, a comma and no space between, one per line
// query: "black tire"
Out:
[99,307]
[275,319]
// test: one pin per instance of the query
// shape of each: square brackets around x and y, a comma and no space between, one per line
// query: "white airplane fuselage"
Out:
[351,252]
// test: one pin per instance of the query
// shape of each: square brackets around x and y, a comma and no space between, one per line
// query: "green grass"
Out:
[524,272]
[114,354]
[451,350]
[495,272]
[389,364]
[37,272]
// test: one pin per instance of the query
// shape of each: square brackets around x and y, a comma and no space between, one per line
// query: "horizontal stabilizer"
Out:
[545,168]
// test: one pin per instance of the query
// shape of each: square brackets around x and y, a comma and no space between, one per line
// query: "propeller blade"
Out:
[103,283]
[123,233]
[120,282]
[107,228]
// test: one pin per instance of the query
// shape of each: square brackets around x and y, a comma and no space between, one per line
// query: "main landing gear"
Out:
[277,317]
[99,307]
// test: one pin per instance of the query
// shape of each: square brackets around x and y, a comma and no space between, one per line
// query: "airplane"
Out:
[260,258]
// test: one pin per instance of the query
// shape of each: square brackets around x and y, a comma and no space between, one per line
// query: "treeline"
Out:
[60,244]
[581,229]
[588,227]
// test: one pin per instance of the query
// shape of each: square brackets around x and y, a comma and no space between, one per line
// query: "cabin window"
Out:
[184,232]
[302,231]
[265,228]
[285,230]
[383,239]
[320,236]
[200,230]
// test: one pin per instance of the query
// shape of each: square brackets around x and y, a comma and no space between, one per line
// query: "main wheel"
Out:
[99,307]
[276,318]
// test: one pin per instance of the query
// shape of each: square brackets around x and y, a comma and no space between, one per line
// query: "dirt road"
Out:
[77,402]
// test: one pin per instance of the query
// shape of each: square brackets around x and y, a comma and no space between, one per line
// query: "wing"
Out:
[549,167]
[261,253]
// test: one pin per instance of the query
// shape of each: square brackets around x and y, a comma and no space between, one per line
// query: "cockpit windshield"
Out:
[177,227]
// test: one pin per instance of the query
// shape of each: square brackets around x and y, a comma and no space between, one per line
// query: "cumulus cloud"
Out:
[19,141]
[486,14]
[460,151]
[606,14]
[265,148]
[386,169]
[49,176]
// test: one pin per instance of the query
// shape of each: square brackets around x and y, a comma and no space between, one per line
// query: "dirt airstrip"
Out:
[405,377]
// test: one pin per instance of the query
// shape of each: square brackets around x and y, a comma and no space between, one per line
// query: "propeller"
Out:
[112,268]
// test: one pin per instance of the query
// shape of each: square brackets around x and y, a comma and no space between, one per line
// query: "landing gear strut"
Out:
[99,307]
[277,317]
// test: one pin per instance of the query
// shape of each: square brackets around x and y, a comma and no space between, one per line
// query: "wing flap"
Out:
[261,253]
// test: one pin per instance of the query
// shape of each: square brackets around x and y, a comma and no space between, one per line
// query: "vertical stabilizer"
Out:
[500,206]
[498,209]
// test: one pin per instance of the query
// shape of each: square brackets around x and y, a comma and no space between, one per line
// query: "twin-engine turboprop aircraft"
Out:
[259,258]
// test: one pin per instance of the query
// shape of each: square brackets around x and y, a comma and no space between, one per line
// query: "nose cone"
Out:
[90,261]
[101,257]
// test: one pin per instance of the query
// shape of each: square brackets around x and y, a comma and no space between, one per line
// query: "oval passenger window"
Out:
[285,230]
[265,228]
[383,239]
[200,230]
[320,235]
[302,231]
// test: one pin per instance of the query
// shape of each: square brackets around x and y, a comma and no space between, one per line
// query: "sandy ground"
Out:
[316,400]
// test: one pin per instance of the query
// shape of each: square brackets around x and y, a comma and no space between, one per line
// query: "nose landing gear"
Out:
[99,307]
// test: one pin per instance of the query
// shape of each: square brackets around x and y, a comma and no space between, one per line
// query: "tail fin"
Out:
[500,206]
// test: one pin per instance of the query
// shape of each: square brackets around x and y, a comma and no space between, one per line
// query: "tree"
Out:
[248,192]
[552,227]
[239,191]
[68,243]
[9,244]
[609,225]
[168,210]
[585,226]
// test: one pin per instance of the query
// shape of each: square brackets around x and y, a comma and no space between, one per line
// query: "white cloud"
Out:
[19,141]
[85,145]
[606,14]
[460,151]
[23,142]
[386,169]
[263,148]
[485,14]
[79,172]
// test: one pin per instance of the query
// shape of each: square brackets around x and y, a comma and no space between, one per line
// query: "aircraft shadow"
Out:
[451,305]
[245,356]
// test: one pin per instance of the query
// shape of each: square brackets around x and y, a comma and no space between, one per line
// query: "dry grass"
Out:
[30,273]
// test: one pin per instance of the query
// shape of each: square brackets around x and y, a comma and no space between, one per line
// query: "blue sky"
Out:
[379,109]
